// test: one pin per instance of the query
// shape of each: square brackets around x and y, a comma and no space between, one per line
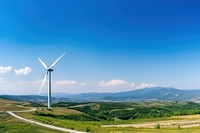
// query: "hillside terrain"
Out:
[141,95]
[98,111]
[155,94]
[9,124]
[94,116]
[119,117]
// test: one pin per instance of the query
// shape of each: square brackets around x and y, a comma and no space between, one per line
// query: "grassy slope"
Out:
[5,101]
[126,111]
[95,126]
[8,124]
[9,105]
[12,125]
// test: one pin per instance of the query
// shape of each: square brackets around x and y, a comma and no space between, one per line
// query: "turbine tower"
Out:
[48,73]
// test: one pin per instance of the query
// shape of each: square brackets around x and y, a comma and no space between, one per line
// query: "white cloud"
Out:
[5,69]
[145,85]
[65,82]
[83,83]
[133,84]
[114,82]
[23,71]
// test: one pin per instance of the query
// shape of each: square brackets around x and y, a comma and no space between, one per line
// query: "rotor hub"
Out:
[50,70]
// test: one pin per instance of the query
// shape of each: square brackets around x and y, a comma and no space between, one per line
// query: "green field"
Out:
[8,124]
[91,116]
[112,111]
[94,126]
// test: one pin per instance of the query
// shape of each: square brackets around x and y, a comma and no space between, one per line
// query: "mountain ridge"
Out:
[160,94]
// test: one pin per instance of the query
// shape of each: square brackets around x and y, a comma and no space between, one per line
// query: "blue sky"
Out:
[110,45]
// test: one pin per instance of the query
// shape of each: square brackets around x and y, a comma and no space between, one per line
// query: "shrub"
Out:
[157,126]
[88,129]
[179,127]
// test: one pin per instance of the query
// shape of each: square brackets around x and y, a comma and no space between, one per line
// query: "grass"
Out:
[9,124]
[4,101]
[187,117]
[59,111]
[94,126]
[9,105]
[12,108]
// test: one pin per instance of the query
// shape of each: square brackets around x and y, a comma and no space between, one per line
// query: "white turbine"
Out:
[48,72]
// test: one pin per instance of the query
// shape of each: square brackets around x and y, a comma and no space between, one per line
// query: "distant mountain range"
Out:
[33,98]
[141,95]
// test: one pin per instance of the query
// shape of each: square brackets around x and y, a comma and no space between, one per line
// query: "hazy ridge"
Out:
[141,95]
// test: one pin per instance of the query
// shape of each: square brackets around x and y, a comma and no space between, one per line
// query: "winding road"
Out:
[41,124]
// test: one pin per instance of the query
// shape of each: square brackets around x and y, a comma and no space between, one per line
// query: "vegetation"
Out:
[157,126]
[35,104]
[91,115]
[8,124]
[10,106]
[128,111]
[95,126]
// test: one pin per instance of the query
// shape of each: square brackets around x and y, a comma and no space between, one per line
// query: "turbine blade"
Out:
[43,83]
[44,65]
[57,60]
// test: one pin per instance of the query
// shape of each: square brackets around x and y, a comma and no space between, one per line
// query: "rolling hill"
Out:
[141,95]
[32,98]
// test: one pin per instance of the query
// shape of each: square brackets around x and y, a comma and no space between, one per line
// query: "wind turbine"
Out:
[48,73]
